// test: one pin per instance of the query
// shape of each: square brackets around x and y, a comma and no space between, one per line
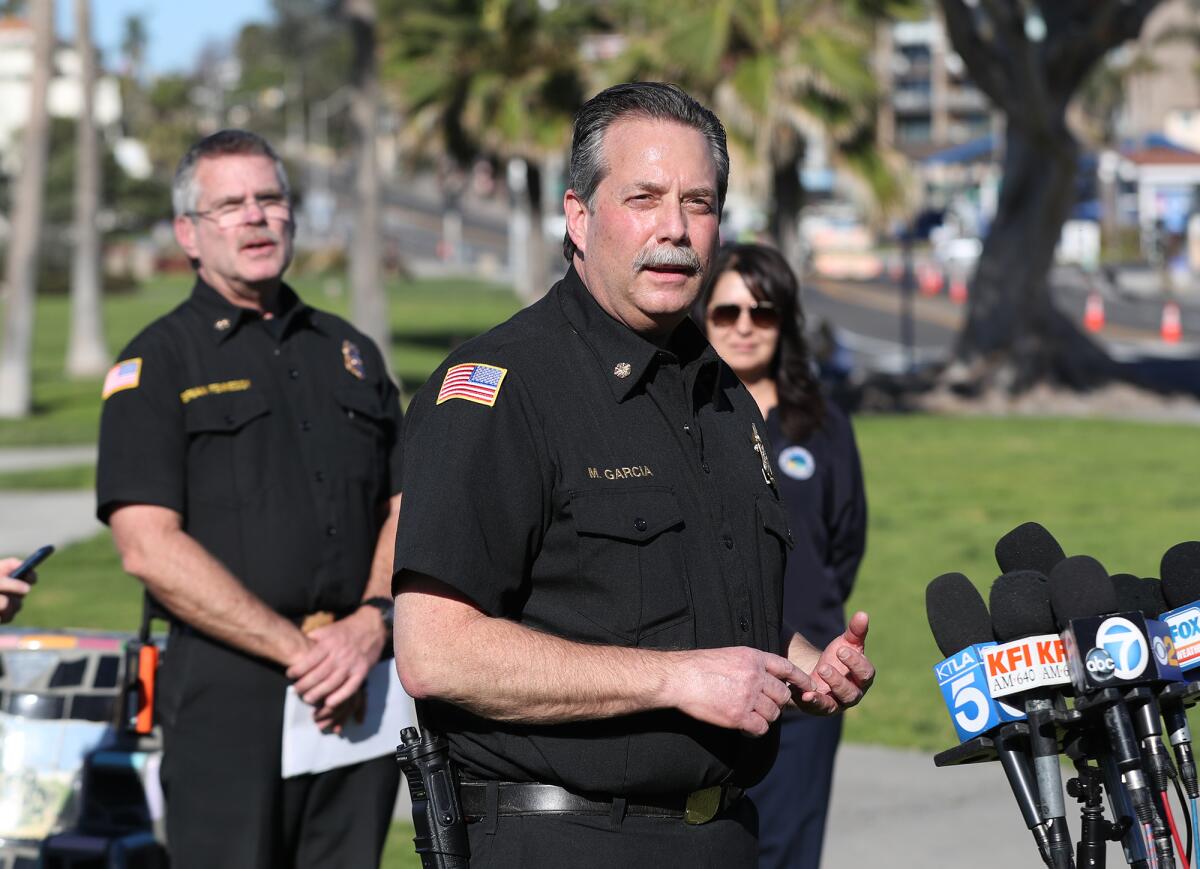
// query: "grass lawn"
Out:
[428,317]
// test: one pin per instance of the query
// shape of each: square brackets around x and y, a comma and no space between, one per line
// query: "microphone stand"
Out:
[1094,829]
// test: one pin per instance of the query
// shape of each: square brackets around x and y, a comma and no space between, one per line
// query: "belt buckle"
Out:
[703,805]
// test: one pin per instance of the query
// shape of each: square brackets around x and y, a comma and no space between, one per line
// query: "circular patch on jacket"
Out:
[798,463]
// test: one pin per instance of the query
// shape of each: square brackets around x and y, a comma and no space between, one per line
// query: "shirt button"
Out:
[728,541]
[687,429]
[704,467]
[275,351]
[331,531]
[319,476]
[228,419]
[350,414]
[639,523]
[744,624]
[305,425]
[293,373]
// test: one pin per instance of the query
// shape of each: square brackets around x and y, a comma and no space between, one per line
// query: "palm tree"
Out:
[368,297]
[86,351]
[780,73]
[16,385]
[500,79]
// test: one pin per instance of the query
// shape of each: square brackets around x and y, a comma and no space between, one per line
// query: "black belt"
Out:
[515,798]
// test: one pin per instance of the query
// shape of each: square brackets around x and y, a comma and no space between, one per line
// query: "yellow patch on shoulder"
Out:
[126,374]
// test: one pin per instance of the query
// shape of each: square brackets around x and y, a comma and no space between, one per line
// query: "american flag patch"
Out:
[473,381]
[124,375]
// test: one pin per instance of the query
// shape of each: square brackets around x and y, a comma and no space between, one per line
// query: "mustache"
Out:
[260,235]
[668,256]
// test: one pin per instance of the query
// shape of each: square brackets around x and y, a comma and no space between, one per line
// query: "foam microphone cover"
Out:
[957,614]
[1180,571]
[1028,547]
[1020,605]
[1080,587]
[1145,595]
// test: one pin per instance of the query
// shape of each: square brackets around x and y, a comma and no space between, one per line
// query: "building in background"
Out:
[16,69]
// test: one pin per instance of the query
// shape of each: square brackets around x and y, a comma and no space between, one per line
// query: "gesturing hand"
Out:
[843,673]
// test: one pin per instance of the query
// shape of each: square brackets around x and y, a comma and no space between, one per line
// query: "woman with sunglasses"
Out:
[752,315]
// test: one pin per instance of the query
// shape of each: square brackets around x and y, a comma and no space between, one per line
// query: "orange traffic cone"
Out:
[931,280]
[1093,313]
[1172,325]
[958,291]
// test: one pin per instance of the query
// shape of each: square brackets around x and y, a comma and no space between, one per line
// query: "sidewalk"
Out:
[894,808]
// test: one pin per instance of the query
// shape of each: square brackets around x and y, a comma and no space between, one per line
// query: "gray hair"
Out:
[647,99]
[184,194]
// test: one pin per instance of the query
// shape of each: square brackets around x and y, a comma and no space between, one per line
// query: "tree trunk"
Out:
[519,227]
[16,387]
[368,296]
[87,354]
[787,197]
[536,258]
[1014,336]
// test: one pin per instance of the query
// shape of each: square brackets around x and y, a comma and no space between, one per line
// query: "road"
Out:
[867,321]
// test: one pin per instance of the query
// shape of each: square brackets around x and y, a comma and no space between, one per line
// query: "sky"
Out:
[177,29]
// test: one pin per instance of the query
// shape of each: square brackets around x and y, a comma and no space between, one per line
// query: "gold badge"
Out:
[352,359]
[222,324]
[622,370]
[761,449]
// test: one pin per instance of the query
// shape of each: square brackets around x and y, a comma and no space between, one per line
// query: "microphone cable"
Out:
[1166,806]
[1194,832]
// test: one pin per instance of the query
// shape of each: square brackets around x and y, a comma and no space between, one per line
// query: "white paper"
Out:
[389,710]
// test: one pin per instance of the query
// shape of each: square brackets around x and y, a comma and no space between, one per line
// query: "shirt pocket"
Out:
[773,546]
[368,429]
[229,450]
[632,575]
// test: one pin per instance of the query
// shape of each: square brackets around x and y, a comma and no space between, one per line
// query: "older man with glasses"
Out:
[249,469]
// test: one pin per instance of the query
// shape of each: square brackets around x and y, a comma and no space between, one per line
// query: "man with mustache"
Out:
[589,566]
[250,472]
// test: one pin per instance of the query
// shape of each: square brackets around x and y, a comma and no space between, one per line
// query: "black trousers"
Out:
[729,841]
[222,715]
[793,800]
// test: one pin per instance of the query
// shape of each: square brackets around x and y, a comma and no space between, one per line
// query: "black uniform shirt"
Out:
[278,443]
[607,492]
[821,483]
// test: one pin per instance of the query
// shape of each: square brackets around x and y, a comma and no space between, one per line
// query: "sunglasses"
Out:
[763,315]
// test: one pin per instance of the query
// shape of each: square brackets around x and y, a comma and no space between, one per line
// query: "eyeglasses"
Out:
[763,315]
[274,206]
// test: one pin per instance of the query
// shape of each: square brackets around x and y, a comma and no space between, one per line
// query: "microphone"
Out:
[1031,662]
[1180,571]
[1107,650]
[962,630]
[1145,597]
[1028,547]
[1180,587]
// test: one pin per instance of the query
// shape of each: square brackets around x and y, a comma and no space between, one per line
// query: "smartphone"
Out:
[32,561]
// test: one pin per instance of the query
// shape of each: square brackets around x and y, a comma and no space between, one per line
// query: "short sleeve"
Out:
[395,420]
[475,492]
[142,440]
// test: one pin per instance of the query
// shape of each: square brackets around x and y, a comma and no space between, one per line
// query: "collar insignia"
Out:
[352,359]
[761,449]
[222,324]
[622,370]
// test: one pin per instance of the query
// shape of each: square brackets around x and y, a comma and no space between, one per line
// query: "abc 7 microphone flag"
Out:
[1072,661]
